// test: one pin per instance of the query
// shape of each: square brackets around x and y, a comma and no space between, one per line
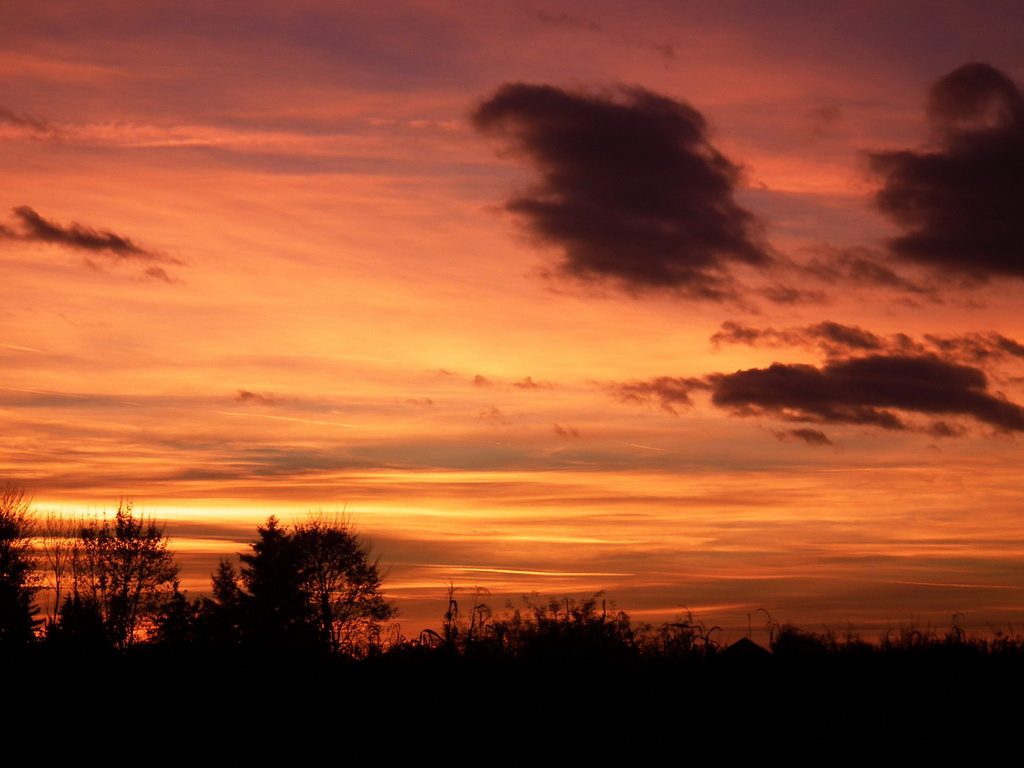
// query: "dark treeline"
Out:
[294,655]
[314,588]
[113,584]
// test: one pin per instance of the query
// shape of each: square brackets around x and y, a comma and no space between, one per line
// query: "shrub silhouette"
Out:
[683,638]
[563,629]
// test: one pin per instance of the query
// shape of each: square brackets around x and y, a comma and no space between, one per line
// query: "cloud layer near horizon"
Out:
[631,188]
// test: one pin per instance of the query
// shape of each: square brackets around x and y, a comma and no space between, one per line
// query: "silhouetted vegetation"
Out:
[294,633]
[568,629]
[314,587]
[310,587]
[121,573]
[17,569]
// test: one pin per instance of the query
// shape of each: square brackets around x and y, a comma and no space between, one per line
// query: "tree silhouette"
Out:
[276,608]
[17,568]
[221,618]
[343,584]
[310,586]
[122,572]
[58,543]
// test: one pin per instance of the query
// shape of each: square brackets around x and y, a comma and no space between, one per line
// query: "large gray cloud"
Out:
[631,189]
[961,199]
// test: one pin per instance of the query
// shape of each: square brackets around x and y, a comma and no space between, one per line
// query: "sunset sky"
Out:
[711,305]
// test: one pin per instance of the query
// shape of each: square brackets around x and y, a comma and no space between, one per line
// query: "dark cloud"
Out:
[976,347]
[566,431]
[875,390]
[494,415]
[809,436]
[838,340]
[822,120]
[666,49]
[567,20]
[944,429]
[481,381]
[961,199]
[845,336]
[891,382]
[832,338]
[784,294]
[737,333]
[35,228]
[255,398]
[529,383]
[667,391]
[861,267]
[631,189]
[424,402]
[158,273]
[25,121]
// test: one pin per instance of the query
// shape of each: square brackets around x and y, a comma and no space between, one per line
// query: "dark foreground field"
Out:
[155,706]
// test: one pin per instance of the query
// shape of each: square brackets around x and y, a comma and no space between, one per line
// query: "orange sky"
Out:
[276,265]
